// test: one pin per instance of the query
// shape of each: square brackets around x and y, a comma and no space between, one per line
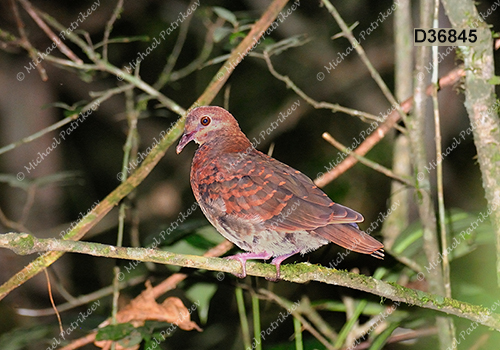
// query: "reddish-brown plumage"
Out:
[260,204]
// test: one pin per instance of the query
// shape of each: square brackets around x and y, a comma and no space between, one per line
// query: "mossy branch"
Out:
[23,244]
[481,103]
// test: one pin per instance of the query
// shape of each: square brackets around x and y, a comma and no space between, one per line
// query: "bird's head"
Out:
[205,123]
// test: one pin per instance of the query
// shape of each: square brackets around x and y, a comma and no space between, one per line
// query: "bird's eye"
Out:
[205,120]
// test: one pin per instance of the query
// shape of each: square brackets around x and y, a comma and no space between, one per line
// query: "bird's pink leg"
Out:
[243,257]
[277,262]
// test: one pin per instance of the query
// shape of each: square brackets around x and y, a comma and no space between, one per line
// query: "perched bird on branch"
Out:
[265,207]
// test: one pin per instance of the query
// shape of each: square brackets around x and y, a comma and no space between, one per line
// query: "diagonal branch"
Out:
[25,43]
[60,45]
[448,80]
[375,166]
[103,208]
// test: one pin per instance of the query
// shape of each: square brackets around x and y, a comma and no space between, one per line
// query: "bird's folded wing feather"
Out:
[258,187]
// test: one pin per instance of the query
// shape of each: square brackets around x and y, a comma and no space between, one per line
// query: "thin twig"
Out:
[30,200]
[109,27]
[103,97]
[43,26]
[448,323]
[12,224]
[125,40]
[450,79]
[105,94]
[49,288]
[371,164]
[103,65]
[128,149]
[361,52]
[81,300]
[439,165]
[172,58]
[334,107]
[26,43]
[268,295]
[197,63]
[313,315]
[398,221]
[245,329]
[426,332]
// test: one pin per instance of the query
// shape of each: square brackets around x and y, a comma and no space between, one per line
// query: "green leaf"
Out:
[205,238]
[115,332]
[495,80]
[134,338]
[220,33]
[202,293]
[381,339]
[466,231]
[226,14]
[233,39]
[21,338]
[183,247]
[179,233]
[68,110]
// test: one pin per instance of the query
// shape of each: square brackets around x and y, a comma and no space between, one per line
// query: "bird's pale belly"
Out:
[249,235]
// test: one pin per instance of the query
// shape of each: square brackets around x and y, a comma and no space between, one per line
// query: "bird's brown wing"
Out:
[281,198]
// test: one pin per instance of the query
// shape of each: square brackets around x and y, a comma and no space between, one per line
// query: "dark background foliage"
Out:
[91,157]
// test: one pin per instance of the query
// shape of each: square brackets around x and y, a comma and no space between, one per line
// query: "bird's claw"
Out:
[278,274]
[243,267]
[272,279]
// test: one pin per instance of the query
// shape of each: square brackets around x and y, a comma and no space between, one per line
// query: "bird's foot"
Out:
[277,262]
[243,257]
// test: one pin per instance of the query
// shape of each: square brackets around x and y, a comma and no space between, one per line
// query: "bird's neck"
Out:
[229,143]
[221,146]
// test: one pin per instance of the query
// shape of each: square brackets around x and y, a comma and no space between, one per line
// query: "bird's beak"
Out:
[185,139]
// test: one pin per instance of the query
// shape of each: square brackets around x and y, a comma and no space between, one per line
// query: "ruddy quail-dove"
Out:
[265,207]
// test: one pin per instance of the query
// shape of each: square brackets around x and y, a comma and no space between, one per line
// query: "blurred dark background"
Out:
[90,158]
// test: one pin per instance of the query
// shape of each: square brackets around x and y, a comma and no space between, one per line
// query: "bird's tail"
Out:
[352,238]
